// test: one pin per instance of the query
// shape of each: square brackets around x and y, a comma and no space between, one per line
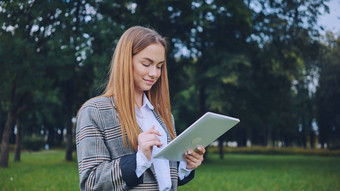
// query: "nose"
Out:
[153,72]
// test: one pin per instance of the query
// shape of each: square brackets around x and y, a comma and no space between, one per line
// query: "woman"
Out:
[119,132]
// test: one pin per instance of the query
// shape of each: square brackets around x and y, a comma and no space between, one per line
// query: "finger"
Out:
[153,143]
[152,130]
[190,155]
[190,160]
[193,154]
[149,140]
[150,144]
[150,137]
[190,163]
[200,150]
[195,158]
[148,133]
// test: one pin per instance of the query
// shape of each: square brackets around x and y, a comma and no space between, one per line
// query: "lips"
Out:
[149,82]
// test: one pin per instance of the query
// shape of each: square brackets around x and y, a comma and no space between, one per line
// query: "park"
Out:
[269,63]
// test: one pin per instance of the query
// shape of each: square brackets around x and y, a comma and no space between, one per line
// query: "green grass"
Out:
[267,172]
[48,171]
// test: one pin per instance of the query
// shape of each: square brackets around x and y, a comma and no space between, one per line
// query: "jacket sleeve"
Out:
[186,179]
[97,171]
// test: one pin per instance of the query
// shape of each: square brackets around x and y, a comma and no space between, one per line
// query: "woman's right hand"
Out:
[148,139]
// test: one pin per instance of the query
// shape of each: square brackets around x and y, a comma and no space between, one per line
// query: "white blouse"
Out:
[146,119]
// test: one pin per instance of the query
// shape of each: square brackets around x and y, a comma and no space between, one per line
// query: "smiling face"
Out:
[147,66]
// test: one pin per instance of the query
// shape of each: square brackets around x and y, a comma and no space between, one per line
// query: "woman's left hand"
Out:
[194,158]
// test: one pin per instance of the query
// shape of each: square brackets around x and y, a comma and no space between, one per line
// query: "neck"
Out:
[139,98]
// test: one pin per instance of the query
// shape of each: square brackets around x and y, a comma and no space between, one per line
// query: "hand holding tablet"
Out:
[201,133]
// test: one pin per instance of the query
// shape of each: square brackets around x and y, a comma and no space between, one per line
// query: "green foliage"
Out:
[33,143]
[254,60]
[328,93]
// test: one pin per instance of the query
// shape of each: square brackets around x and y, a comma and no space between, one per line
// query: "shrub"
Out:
[34,143]
[276,151]
[335,145]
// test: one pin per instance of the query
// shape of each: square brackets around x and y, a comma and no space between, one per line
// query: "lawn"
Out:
[45,171]
[268,172]
[48,171]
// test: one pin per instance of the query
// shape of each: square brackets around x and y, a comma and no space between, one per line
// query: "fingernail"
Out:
[199,148]
[189,152]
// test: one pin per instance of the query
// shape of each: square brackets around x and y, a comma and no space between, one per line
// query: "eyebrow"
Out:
[150,60]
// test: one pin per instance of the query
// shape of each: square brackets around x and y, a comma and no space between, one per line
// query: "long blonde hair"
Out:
[121,85]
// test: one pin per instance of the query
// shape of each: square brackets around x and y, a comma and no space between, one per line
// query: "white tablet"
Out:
[203,132]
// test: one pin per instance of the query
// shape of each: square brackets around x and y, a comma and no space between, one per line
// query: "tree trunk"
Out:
[202,110]
[5,138]
[71,90]
[69,128]
[51,134]
[304,138]
[1,125]
[265,138]
[269,137]
[312,139]
[18,142]
[69,125]
[220,147]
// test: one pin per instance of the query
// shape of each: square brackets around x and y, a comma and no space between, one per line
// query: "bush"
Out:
[335,145]
[33,143]
[62,145]
[276,151]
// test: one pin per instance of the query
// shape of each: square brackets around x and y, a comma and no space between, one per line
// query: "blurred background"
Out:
[273,64]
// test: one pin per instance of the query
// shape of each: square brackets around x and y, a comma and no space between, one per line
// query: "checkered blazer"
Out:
[103,161]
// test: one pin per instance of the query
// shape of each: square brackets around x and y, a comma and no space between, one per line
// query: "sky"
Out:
[331,21]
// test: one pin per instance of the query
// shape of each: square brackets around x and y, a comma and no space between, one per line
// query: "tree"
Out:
[283,33]
[327,95]
[27,27]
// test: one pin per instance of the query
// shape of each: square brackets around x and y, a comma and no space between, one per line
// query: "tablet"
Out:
[201,133]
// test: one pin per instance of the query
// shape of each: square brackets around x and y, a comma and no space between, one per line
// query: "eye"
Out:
[160,66]
[145,64]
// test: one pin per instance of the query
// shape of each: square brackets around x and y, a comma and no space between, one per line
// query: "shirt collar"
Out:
[146,102]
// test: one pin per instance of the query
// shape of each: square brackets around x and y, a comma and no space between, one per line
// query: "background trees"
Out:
[327,95]
[27,28]
[256,60]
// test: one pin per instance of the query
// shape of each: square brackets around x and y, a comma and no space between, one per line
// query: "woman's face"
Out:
[147,66]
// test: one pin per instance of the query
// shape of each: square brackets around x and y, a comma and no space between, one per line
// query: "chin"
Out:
[147,89]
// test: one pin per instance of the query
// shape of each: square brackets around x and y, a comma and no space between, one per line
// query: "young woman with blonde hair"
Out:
[119,132]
